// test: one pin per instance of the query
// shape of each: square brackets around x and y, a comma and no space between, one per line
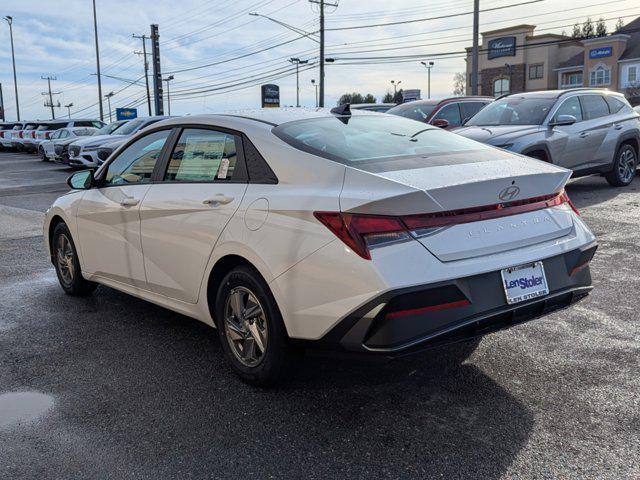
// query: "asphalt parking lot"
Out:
[112,387]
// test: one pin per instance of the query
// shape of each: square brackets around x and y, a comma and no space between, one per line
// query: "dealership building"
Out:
[515,59]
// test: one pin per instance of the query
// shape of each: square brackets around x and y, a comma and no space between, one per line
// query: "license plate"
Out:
[524,282]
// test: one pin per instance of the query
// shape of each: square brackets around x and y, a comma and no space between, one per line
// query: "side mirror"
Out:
[440,122]
[83,180]
[563,120]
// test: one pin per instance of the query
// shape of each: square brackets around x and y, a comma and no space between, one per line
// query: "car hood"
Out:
[114,144]
[498,135]
[96,141]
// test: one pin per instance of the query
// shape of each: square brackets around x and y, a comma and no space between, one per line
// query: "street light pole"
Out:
[474,49]
[108,97]
[68,107]
[297,62]
[313,82]
[168,79]
[13,59]
[395,86]
[95,31]
[428,66]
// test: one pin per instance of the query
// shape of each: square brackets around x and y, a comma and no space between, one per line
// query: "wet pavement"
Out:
[112,387]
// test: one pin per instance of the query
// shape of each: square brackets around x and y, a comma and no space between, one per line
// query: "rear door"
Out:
[597,122]
[108,217]
[469,109]
[202,185]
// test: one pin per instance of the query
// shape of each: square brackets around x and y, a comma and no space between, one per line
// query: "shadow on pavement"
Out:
[142,391]
[592,190]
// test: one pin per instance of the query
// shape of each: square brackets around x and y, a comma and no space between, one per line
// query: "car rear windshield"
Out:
[359,138]
[418,111]
[513,111]
[52,126]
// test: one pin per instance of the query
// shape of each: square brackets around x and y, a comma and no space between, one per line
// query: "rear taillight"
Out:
[21,134]
[33,134]
[1,134]
[361,232]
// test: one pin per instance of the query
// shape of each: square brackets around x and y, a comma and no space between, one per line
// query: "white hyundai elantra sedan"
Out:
[352,231]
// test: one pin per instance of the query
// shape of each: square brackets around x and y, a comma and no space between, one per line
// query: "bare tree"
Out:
[459,84]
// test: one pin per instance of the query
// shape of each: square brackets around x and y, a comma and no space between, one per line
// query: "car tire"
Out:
[624,166]
[43,156]
[66,263]
[245,310]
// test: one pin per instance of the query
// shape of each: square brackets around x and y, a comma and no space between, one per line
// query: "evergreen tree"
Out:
[619,25]
[588,30]
[398,97]
[388,98]
[368,98]
[577,31]
[601,28]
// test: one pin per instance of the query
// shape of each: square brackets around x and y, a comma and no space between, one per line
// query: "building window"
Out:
[536,71]
[600,76]
[632,76]
[571,80]
[500,87]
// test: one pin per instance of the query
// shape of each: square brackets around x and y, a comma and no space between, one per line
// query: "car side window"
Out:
[469,109]
[571,106]
[56,134]
[64,133]
[615,104]
[135,163]
[450,113]
[202,155]
[593,106]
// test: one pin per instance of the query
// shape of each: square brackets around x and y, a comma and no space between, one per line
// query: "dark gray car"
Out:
[585,130]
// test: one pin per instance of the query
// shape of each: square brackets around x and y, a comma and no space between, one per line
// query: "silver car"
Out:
[585,130]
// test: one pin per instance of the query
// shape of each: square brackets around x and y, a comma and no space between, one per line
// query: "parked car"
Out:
[301,228]
[45,130]
[5,134]
[585,130]
[448,113]
[23,131]
[372,107]
[56,147]
[84,153]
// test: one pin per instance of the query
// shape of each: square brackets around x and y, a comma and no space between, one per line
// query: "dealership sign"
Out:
[502,47]
[126,113]
[270,96]
[600,52]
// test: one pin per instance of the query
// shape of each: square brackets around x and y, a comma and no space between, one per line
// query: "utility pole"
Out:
[428,66]
[297,62]
[321,4]
[168,79]
[13,59]
[2,104]
[50,94]
[313,82]
[157,74]
[474,50]
[108,97]
[68,107]
[146,66]
[95,31]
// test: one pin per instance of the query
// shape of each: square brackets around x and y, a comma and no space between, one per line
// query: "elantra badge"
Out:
[509,193]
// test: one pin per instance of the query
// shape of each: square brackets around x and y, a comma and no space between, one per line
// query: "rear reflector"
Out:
[430,308]
[360,232]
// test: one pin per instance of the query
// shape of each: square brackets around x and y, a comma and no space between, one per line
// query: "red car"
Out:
[447,113]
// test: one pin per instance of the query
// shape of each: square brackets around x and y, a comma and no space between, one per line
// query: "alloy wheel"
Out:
[627,165]
[246,326]
[64,259]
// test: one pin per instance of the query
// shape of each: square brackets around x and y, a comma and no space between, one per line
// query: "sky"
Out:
[219,54]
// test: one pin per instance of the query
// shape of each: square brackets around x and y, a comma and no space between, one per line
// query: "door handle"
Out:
[617,126]
[129,202]
[584,135]
[219,199]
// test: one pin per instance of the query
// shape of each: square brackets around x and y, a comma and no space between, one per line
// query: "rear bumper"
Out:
[478,306]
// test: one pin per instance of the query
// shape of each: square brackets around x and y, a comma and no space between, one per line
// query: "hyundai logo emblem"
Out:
[509,193]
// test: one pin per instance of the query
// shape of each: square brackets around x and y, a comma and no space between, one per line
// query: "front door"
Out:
[109,217]
[184,214]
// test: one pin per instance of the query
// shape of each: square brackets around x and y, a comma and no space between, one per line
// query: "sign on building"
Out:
[600,52]
[126,113]
[270,96]
[502,47]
